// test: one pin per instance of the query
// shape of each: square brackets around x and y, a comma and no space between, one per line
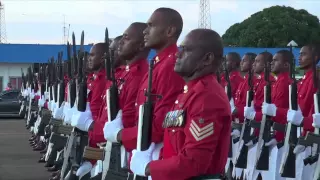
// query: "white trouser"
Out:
[236,172]
[250,173]
[97,168]
[305,172]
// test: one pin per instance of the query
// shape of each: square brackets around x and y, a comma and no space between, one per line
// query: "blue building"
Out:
[13,57]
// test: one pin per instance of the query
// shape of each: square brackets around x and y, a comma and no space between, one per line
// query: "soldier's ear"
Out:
[209,59]
[171,31]
[286,64]
[141,46]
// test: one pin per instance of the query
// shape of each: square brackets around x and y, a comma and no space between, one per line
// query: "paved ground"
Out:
[17,160]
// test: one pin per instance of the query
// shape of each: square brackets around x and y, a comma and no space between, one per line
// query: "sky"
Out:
[43,21]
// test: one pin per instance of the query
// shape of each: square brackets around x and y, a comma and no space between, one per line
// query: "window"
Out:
[15,82]
[10,95]
[1,83]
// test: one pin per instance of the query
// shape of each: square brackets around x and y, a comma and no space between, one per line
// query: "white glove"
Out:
[232,106]
[111,129]
[66,109]
[53,106]
[295,117]
[25,93]
[140,160]
[41,102]
[299,149]
[249,144]
[46,95]
[271,143]
[316,120]
[82,120]
[235,134]
[84,169]
[269,109]
[69,114]
[249,112]
[50,104]
[58,112]
[32,95]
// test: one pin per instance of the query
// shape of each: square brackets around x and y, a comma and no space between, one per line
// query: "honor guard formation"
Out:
[190,113]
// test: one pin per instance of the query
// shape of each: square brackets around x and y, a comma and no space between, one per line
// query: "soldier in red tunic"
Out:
[197,129]
[162,33]
[250,111]
[233,60]
[237,107]
[280,66]
[306,90]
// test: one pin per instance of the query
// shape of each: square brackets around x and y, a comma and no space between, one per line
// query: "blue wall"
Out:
[30,53]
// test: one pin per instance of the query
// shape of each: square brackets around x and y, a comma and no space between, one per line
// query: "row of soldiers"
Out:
[108,114]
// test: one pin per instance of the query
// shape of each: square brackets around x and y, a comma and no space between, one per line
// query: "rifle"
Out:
[314,137]
[61,84]
[42,79]
[31,86]
[82,105]
[22,99]
[47,77]
[218,77]
[72,93]
[32,78]
[55,80]
[51,80]
[72,90]
[112,168]
[24,83]
[288,166]
[263,152]
[145,119]
[228,91]
[82,138]
[241,160]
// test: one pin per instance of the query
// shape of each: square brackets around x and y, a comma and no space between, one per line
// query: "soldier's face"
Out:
[94,58]
[189,58]
[114,46]
[305,57]
[155,33]
[130,44]
[258,65]
[229,62]
[245,64]
[278,64]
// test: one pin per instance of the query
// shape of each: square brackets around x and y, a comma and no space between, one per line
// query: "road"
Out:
[17,160]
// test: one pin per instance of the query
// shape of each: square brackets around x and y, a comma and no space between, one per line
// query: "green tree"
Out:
[274,27]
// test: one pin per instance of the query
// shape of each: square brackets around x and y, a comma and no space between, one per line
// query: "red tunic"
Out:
[96,85]
[280,97]
[128,85]
[258,99]
[306,91]
[235,80]
[165,82]
[199,146]
[240,98]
